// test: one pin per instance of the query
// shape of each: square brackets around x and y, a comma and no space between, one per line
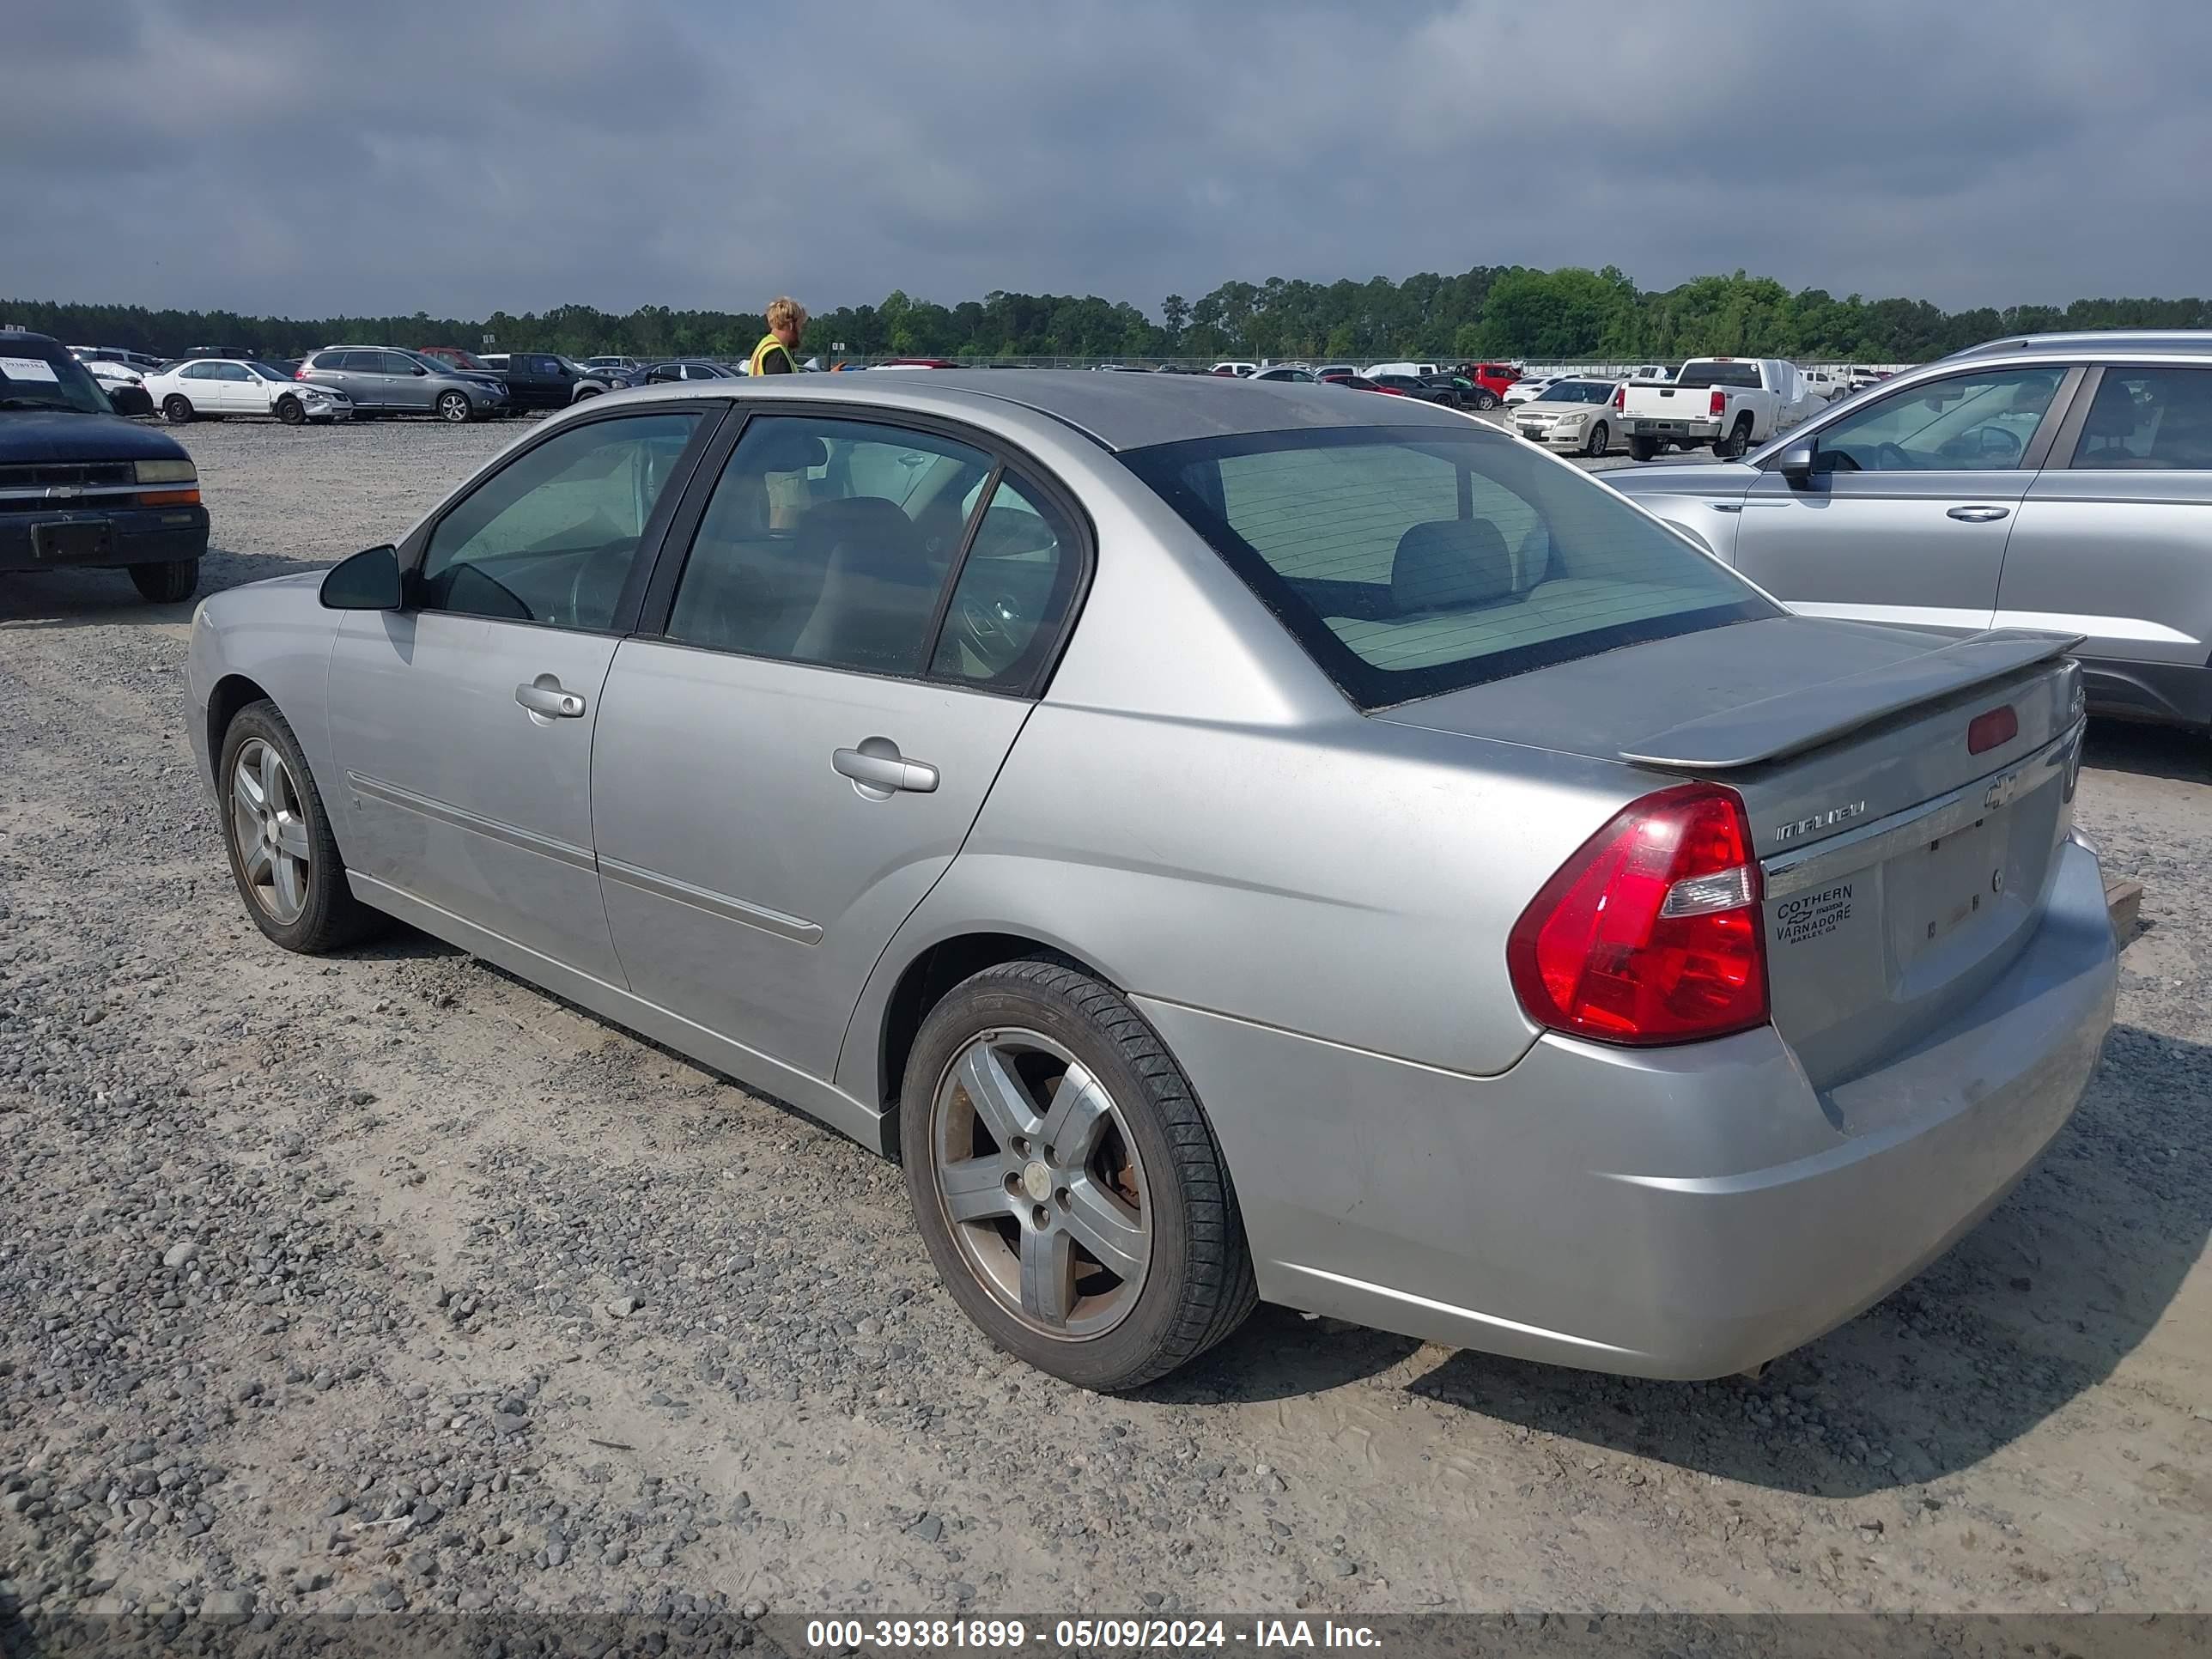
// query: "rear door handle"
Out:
[1979,514]
[549,701]
[877,769]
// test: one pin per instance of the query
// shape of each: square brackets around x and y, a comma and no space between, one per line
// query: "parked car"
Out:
[1358,383]
[1575,412]
[615,362]
[1650,371]
[537,379]
[697,368]
[1860,379]
[385,381]
[1729,403]
[1632,908]
[2061,482]
[1826,383]
[79,487]
[1325,370]
[1527,392]
[125,386]
[211,388]
[918,362]
[1491,382]
[1291,373]
[594,382]
[1413,385]
[1403,370]
[454,357]
[141,361]
[1239,369]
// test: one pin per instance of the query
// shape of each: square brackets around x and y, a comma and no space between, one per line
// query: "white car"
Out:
[1528,391]
[1418,371]
[1235,368]
[209,388]
[1650,371]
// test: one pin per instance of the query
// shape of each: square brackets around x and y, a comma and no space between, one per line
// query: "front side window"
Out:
[1411,561]
[231,372]
[2149,419]
[551,538]
[829,542]
[1975,422]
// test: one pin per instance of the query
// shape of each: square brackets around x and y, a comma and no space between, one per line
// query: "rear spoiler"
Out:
[1807,717]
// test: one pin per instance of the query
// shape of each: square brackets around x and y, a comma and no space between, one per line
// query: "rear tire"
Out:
[291,410]
[1136,1165]
[1642,449]
[1737,442]
[167,583]
[176,408]
[1486,399]
[1600,441]
[321,913]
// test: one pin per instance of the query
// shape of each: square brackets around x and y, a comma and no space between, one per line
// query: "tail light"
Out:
[1718,406]
[1651,933]
[301,373]
[1999,725]
[1620,396]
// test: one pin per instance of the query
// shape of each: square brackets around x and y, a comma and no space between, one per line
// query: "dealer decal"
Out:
[1810,915]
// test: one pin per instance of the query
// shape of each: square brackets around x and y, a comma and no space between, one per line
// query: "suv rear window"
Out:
[1701,374]
[1412,561]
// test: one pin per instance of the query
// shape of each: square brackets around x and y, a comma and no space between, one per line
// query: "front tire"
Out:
[1642,449]
[291,410]
[176,408]
[454,406]
[1065,1181]
[167,583]
[1600,441]
[283,855]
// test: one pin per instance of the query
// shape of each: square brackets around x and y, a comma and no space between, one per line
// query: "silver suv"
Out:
[2055,480]
[386,381]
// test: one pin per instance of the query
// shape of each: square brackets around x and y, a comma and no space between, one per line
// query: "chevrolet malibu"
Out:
[1230,840]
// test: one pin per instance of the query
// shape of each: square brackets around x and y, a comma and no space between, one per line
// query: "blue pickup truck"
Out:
[81,487]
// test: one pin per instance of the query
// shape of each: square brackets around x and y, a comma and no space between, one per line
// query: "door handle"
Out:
[879,770]
[549,701]
[1978,514]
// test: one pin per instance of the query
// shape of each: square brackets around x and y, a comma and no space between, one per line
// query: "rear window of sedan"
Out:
[1412,560]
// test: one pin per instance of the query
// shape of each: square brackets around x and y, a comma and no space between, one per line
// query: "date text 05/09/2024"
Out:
[1085,1635]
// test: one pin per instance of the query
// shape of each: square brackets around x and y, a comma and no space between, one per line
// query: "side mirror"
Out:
[368,581]
[419,369]
[1797,463]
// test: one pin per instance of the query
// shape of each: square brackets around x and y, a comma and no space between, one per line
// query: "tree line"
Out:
[1491,312]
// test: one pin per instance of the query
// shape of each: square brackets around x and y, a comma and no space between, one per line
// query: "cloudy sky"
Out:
[466,155]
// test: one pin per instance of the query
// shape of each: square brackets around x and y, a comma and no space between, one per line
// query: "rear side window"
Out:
[2149,419]
[1411,561]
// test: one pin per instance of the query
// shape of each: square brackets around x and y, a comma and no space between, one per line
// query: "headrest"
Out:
[1448,564]
[792,452]
[2112,416]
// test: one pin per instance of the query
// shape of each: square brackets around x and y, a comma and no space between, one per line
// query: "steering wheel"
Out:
[1895,458]
[991,628]
[592,570]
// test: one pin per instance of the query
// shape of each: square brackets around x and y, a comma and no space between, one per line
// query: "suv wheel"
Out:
[176,408]
[454,406]
[167,583]
[1066,1181]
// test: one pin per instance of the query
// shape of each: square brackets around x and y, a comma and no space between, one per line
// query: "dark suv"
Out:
[81,486]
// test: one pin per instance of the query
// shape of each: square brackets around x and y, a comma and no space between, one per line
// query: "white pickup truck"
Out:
[1731,403]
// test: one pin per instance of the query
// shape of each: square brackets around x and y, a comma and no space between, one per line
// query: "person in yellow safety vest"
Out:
[786,321]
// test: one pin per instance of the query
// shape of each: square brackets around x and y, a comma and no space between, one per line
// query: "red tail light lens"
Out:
[1985,732]
[1719,403]
[1620,396]
[1651,933]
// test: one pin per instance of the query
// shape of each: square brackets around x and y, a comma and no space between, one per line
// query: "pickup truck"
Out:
[1731,403]
[536,379]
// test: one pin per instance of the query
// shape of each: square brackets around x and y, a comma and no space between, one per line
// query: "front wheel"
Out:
[290,411]
[1642,449]
[1600,441]
[176,408]
[283,855]
[1065,1181]
[167,582]
[454,406]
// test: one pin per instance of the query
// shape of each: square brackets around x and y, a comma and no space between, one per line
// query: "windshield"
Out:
[1578,391]
[268,371]
[1412,561]
[56,382]
[1716,374]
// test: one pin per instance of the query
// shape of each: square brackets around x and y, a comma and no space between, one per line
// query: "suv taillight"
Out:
[1651,933]
[1718,406]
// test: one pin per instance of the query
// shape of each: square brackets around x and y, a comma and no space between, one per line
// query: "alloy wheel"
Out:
[1039,1178]
[454,406]
[268,831]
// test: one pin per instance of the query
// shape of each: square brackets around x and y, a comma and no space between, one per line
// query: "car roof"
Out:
[15,338]
[2173,342]
[1131,411]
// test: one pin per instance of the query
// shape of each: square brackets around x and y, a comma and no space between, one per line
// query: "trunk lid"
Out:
[1903,870]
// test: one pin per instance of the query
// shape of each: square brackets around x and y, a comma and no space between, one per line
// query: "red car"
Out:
[1358,383]
[455,355]
[1490,382]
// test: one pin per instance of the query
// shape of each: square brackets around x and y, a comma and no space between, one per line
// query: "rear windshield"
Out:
[1412,561]
[1694,375]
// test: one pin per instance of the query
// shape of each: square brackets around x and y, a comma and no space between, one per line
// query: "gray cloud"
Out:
[458,158]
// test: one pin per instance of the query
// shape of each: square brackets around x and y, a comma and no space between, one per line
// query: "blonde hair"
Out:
[783,309]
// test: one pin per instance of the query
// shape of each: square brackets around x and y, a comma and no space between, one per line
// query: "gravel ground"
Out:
[388,1281]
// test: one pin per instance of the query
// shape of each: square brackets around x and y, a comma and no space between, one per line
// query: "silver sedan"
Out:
[1231,840]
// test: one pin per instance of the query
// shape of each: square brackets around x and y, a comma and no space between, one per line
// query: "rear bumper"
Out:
[1683,1212]
[1701,431]
[136,535]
